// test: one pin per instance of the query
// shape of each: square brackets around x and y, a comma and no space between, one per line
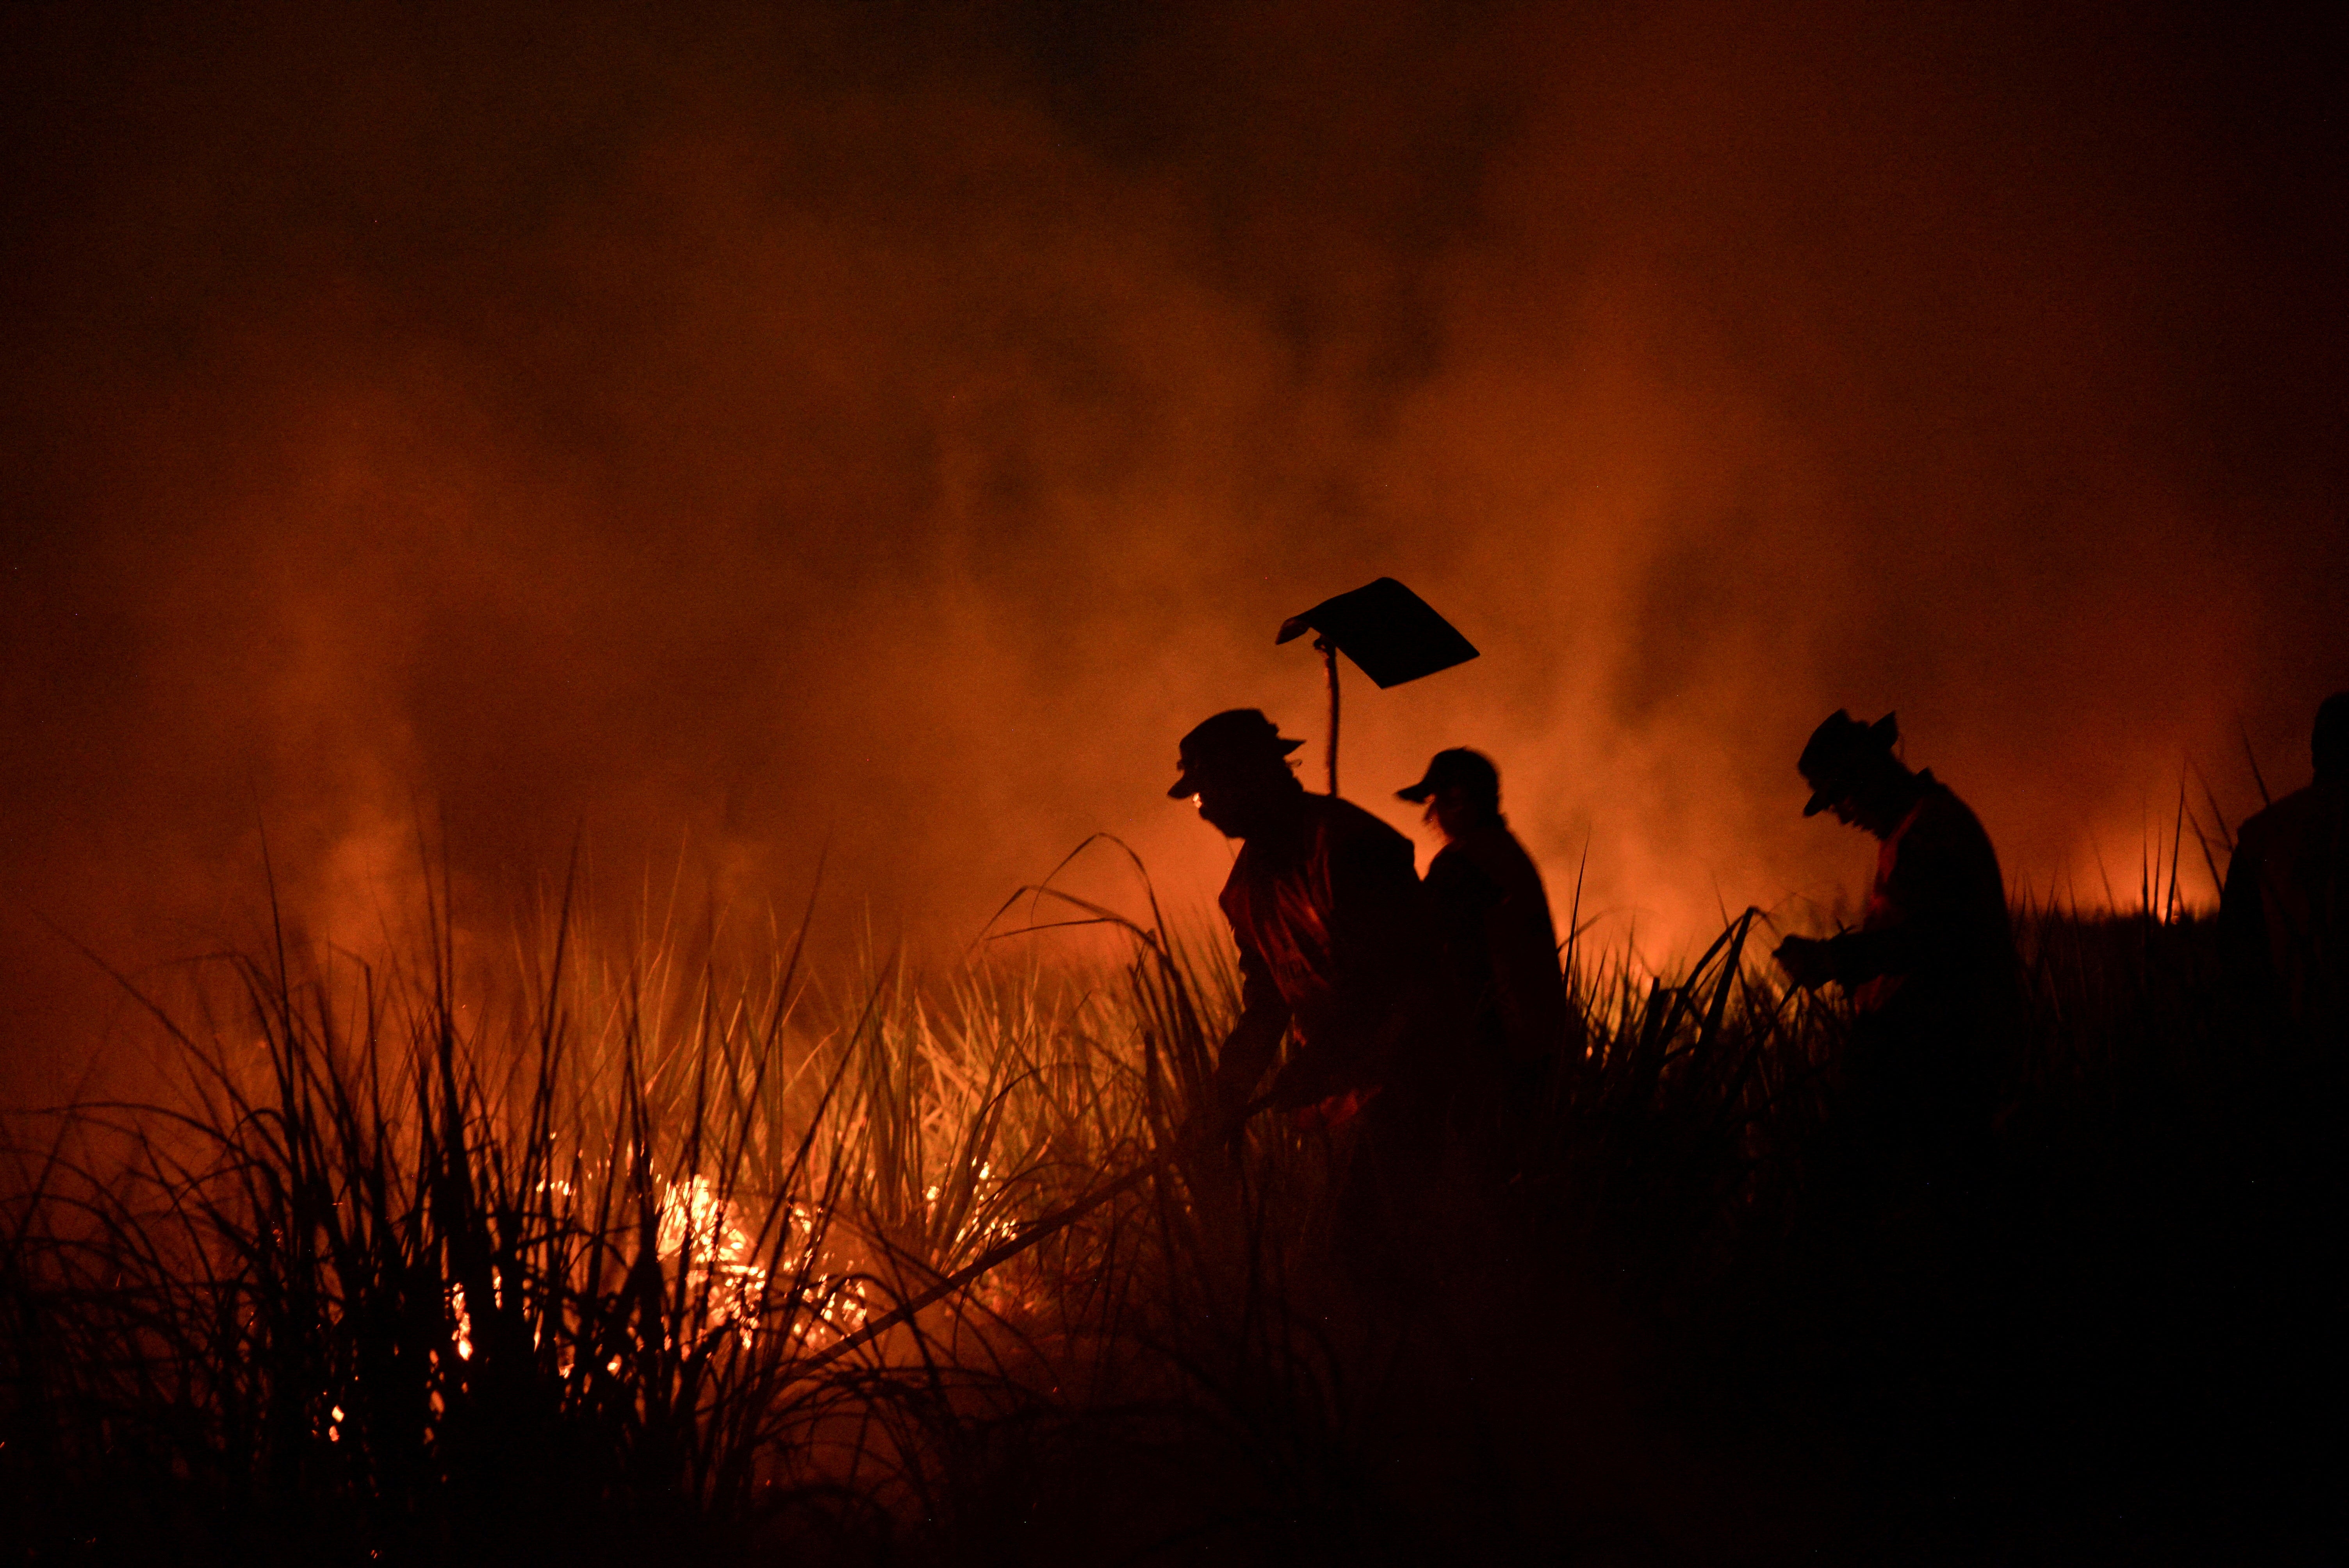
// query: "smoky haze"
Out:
[722,437]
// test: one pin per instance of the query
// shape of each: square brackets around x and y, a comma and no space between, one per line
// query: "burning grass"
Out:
[585,1256]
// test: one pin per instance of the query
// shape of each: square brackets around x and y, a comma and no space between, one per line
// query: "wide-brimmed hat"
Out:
[1840,747]
[1458,766]
[1237,736]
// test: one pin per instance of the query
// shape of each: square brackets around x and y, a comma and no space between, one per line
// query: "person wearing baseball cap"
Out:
[1492,915]
[1335,946]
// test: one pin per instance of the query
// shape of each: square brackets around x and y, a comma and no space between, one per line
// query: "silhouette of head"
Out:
[1851,770]
[1236,766]
[2329,746]
[1461,790]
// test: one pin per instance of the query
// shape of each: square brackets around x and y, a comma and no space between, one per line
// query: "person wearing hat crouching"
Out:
[1492,915]
[1932,971]
[1334,940]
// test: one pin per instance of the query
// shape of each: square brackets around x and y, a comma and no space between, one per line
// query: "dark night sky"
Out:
[717,432]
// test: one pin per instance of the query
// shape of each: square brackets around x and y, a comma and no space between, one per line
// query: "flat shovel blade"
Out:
[1390,633]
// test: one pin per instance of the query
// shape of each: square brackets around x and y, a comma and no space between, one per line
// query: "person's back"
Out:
[1328,911]
[2284,911]
[1493,915]
[1937,941]
[1492,920]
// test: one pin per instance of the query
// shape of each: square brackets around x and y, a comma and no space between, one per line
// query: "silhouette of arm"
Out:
[1859,956]
[2243,924]
[1249,1048]
[2246,946]
[1527,980]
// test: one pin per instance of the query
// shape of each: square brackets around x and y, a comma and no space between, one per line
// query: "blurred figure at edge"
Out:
[2284,913]
[1492,915]
[1931,969]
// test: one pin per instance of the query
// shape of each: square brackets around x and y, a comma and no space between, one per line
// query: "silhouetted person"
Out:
[1335,944]
[2284,913]
[1931,968]
[1492,915]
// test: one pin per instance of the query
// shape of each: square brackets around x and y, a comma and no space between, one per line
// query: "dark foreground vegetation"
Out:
[551,1259]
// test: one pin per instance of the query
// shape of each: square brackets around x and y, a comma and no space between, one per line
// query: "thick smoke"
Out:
[733,439]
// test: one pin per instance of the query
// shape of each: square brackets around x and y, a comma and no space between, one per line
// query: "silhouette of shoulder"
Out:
[1331,839]
[2312,813]
[2296,851]
[1490,853]
[1943,849]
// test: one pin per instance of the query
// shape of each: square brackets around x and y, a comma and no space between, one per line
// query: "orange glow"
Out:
[673,440]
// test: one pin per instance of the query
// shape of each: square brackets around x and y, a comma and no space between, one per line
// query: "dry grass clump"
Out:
[608,1248]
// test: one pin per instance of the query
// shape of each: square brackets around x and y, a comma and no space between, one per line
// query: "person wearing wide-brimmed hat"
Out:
[1326,908]
[1491,914]
[1931,969]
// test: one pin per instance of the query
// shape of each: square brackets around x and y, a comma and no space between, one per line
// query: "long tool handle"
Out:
[1329,754]
[1003,1252]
